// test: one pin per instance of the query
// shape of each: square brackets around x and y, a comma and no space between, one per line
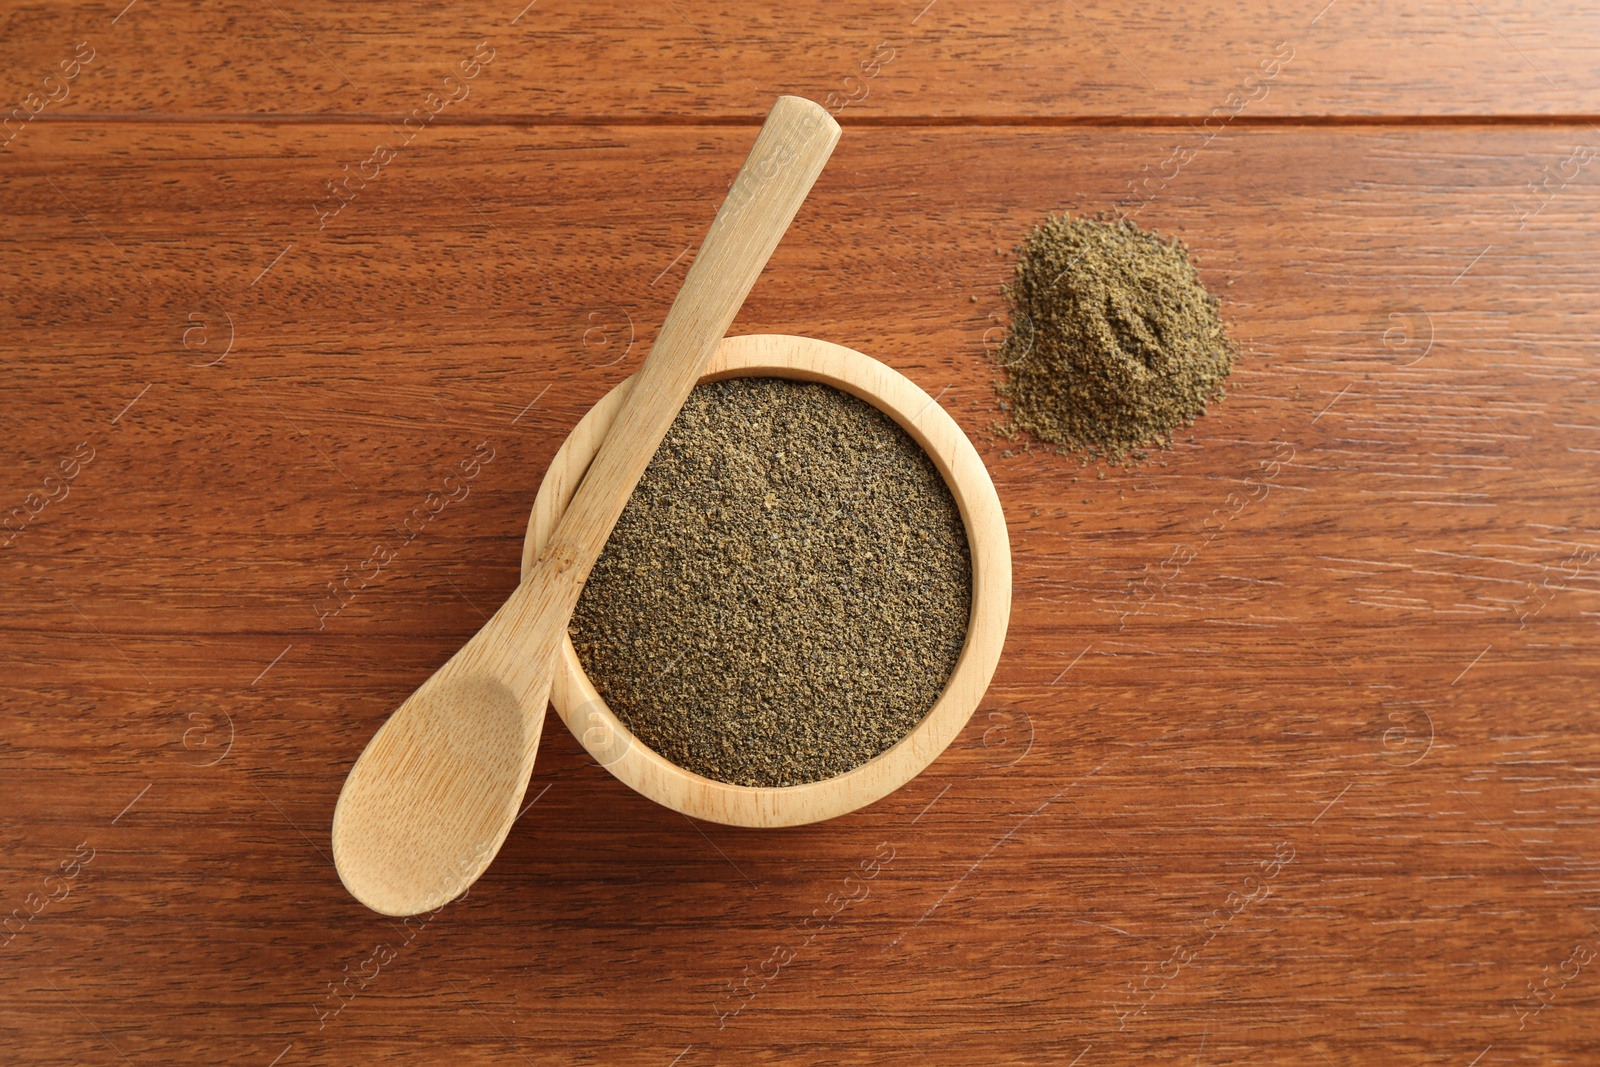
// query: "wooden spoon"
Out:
[429,802]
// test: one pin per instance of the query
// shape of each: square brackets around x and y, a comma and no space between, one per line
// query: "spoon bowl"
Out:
[454,773]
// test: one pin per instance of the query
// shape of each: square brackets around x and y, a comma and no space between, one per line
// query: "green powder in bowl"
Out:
[786,592]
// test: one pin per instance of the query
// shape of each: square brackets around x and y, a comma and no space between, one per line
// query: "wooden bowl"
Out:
[611,743]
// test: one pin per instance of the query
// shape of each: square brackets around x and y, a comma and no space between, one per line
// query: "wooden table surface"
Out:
[1291,757]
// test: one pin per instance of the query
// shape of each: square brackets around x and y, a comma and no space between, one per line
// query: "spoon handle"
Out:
[791,150]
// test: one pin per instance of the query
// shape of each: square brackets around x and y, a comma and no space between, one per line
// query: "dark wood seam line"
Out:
[864,121]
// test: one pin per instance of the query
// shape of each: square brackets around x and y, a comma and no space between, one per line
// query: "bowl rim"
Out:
[613,746]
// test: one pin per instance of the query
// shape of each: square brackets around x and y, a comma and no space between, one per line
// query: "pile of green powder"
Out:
[786,592]
[1114,342]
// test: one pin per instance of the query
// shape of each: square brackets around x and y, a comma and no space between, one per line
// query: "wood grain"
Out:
[1368,685]
[991,59]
